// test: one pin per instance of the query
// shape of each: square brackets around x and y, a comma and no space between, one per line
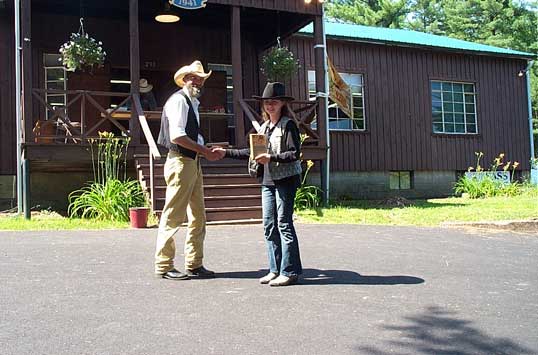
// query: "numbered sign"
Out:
[189,4]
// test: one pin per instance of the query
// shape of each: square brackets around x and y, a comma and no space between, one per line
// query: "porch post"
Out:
[134,41]
[26,32]
[322,91]
[18,111]
[27,110]
[237,77]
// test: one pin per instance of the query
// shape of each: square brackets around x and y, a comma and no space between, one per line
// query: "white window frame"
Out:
[311,85]
[466,114]
[48,82]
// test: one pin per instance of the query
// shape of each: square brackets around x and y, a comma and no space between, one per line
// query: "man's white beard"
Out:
[194,92]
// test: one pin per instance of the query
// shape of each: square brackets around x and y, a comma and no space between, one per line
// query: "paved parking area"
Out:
[366,290]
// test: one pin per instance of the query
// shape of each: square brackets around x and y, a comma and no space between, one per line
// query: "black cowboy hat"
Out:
[274,91]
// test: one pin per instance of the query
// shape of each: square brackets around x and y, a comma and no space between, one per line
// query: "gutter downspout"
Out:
[529,103]
[327,132]
[18,114]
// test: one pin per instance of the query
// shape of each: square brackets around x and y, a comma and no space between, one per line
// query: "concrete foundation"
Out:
[375,185]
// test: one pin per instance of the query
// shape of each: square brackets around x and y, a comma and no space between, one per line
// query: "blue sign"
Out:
[189,4]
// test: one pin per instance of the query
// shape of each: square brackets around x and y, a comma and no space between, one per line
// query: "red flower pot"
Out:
[139,217]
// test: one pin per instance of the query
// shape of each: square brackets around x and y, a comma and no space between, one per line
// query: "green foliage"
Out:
[278,64]
[379,13]
[485,185]
[81,51]
[109,201]
[107,197]
[109,156]
[307,196]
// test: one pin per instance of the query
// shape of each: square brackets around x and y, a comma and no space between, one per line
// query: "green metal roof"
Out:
[409,38]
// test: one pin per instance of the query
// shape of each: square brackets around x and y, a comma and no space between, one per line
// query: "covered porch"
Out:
[228,36]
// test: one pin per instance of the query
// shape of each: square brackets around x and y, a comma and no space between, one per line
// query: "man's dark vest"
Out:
[192,129]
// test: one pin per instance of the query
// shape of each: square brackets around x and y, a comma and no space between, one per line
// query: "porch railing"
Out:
[153,149]
[78,132]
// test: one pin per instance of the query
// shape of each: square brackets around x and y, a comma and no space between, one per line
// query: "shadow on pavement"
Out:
[331,277]
[441,332]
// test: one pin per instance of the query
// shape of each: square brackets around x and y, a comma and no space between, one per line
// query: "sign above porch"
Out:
[189,4]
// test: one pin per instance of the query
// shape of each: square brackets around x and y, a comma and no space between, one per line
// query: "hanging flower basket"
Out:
[279,63]
[82,52]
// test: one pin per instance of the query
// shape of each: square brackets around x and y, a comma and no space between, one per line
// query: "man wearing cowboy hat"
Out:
[147,98]
[180,133]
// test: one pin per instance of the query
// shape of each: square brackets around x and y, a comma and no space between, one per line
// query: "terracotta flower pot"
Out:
[139,217]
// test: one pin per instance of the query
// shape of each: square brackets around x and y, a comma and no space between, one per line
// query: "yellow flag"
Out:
[339,91]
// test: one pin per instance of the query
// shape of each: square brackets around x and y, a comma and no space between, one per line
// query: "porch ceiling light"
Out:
[309,1]
[166,15]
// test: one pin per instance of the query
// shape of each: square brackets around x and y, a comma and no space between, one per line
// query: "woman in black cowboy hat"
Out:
[280,176]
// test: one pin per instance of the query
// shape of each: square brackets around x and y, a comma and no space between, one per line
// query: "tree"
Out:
[378,13]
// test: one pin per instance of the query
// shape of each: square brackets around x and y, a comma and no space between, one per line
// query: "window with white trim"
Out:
[453,107]
[55,79]
[338,120]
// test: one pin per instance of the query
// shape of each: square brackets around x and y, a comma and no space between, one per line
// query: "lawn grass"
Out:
[430,212]
[52,221]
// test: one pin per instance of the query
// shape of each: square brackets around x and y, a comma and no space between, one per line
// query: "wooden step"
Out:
[232,190]
[233,213]
[158,168]
[232,201]
[219,190]
[209,179]
[223,179]
[230,213]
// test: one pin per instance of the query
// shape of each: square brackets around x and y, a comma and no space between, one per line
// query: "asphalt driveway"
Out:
[366,290]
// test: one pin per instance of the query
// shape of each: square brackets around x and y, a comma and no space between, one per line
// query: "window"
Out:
[400,180]
[55,79]
[338,120]
[453,107]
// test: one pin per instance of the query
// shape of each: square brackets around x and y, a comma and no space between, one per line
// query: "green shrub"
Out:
[486,186]
[109,201]
[107,197]
[307,196]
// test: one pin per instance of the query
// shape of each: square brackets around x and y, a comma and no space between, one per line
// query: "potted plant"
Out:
[278,64]
[82,51]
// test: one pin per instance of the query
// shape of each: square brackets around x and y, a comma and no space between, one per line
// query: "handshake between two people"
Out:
[217,153]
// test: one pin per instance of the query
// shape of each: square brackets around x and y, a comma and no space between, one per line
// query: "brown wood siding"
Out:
[7,96]
[398,107]
[296,6]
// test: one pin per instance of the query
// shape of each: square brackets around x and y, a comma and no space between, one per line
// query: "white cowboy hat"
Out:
[195,68]
[144,86]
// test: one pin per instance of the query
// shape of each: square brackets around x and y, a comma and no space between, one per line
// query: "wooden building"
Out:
[422,104]
[228,36]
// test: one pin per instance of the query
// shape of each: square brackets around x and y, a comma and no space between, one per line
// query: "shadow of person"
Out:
[331,277]
[345,277]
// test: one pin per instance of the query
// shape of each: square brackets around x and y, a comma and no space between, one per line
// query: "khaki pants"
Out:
[184,195]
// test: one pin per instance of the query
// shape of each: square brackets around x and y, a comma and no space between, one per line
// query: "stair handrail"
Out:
[154,152]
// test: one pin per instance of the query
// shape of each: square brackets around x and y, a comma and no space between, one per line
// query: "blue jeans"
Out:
[280,237]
